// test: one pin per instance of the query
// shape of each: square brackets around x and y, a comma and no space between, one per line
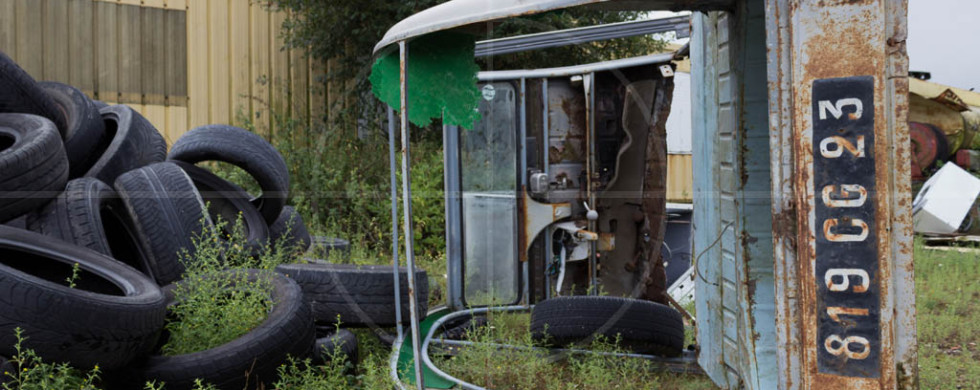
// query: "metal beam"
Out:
[575,36]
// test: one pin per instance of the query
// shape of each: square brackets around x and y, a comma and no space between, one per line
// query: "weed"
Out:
[947,291]
[492,367]
[211,310]
[32,373]
[71,280]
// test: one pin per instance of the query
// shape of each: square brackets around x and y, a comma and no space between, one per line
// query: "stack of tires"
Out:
[89,193]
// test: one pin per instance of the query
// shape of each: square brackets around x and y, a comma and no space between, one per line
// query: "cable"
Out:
[697,270]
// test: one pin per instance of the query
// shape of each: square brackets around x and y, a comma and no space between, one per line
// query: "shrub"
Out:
[32,373]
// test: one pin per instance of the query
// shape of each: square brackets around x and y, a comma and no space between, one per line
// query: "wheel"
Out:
[642,326]
[358,295]
[33,166]
[323,246]
[130,142]
[330,340]
[287,331]
[111,315]
[85,128]
[290,228]
[167,213]
[245,150]
[19,93]
[90,214]
[229,202]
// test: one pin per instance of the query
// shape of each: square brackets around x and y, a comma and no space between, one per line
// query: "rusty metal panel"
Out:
[842,227]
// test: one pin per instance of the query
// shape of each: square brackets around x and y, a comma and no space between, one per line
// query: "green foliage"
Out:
[73,279]
[345,31]
[303,375]
[35,374]
[210,310]
[340,186]
[493,367]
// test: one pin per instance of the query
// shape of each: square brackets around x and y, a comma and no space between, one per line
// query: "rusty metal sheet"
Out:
[845,296]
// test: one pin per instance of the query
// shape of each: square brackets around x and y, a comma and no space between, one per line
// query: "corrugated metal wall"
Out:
[732,206]
[181,63]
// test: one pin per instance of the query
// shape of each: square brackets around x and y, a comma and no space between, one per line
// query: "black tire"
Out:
[342,341]
[130,142]
[643,326]
[358,295]
[167,213]
[19,222]
[290,229]
[90,214]
[7,370]
[19,93]
[229,201]
[324,246]
[112,315]
[84,125]
[245,150]
[33,166]
[288,331]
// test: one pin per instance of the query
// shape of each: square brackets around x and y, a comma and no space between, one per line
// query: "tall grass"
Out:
[948,314]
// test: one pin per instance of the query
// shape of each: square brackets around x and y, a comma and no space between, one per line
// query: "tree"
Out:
[347,30]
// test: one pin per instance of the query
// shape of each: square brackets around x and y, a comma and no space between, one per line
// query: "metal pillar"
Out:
[407,206]
[394,223]
[842,231]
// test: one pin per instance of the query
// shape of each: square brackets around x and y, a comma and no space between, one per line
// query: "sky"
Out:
[940,41]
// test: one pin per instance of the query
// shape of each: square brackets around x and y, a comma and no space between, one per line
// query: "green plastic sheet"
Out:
[441,80]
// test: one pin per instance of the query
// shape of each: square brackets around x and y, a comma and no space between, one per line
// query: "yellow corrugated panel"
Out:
[197,63]
[240,25]
[279,67]
[176,123]
[175,4]
[261,57]
[680,178]
[153,3]
[219,57]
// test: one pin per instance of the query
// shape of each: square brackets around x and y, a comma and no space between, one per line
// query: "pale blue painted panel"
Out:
[704,125]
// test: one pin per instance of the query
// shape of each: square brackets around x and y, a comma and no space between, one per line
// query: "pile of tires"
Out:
[89,192]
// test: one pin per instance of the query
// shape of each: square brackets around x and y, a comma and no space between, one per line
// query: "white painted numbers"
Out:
[844,229]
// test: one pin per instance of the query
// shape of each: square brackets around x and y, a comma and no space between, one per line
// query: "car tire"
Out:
[167,213]
[358,296]
[641,326]
[111,315]
[90,214]
[290,231]
[19,93]
[85,127]
[287,331]
[245,150]
[330,339]
[226,200]
[33,166]
[324,246]
[130,142]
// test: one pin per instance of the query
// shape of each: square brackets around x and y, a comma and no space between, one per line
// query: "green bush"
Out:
[340,184]
[210,310]
[35,374]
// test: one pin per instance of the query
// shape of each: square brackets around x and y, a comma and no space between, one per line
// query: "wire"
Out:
[697,270]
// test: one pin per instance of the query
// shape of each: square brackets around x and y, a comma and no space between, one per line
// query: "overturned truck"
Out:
[802,224]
